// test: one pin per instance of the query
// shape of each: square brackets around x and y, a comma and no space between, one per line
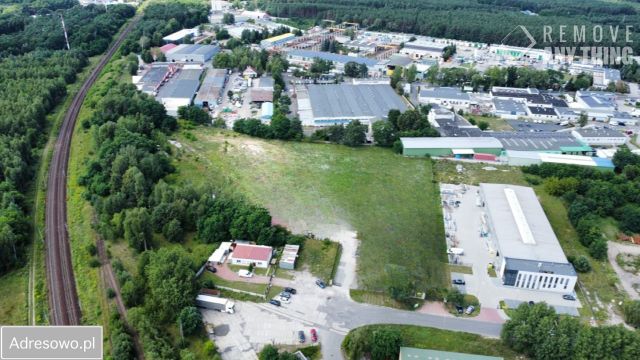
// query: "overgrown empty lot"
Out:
[390,201]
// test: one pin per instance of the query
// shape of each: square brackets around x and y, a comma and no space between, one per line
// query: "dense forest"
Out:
[486,21]
[34,74]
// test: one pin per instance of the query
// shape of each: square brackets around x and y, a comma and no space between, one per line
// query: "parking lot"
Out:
[464,224]
[243,334]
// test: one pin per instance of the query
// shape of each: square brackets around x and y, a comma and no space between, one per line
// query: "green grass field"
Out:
[320,257]
[444,340]
[390,201]
[13,297]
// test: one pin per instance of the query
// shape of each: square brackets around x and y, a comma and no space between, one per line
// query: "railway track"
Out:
[63,298]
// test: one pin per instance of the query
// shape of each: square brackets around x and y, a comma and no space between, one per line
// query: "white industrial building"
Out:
[181,35]
[180,89]
[445,96]
[246,254]
[192,53]
[289,256]
[423,49]
[528,252]
[599,136]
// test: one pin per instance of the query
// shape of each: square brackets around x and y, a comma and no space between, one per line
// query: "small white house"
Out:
[245,254]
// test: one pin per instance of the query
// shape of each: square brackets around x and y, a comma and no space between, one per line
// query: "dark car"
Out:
[458,282]
[291,291]
[274,302]
[569,297]
[459,309]
[321,284]
[314,335]
[531,302]
[301,336]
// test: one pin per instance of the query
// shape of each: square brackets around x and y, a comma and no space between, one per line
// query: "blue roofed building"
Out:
[192,53]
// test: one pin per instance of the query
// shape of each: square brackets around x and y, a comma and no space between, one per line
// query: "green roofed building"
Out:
[409,353]
[450,146]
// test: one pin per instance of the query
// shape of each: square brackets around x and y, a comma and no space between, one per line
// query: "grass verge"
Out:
[444,340]
[320,256]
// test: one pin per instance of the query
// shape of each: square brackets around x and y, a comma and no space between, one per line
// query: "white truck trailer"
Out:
[215,303]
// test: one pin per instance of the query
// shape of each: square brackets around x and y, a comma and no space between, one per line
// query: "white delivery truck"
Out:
[215,303]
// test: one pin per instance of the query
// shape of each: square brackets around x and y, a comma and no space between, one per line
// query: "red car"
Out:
[314,335]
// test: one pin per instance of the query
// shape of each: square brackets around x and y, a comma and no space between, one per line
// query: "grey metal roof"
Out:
[510,238]
[212,85]
[152,78]
[529,126]
[599,132]
[186,50]
[444,93]
[345,101]
[184,85]
[399,60]
[509,106]
[337,58]
[450,143]
[424,47]
[540,266]
[537,141]
[594,101]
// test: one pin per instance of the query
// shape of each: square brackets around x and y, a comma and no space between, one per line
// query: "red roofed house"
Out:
[165,48]
[245,254]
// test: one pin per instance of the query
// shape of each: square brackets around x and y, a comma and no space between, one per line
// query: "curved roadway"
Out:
[63,298]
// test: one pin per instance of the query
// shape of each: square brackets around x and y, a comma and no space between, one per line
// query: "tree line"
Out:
[592,195]
[539,333]
[483,21]
[34,75]
[89,28]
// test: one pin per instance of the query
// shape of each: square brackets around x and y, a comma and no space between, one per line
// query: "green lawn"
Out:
[320,256]
[390,201]
[240,285]
[461,269]
[475,173]
[13,297]
[377,298]
[495,123]
[444,340]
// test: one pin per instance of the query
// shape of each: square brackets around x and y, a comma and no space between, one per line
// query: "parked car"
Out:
[301,336]
[285,294]
[458,282]
[314,335]
[531,302]
[291,291]
[321,284]
[470,310]
[459,309]
[245,273]
[569,297]
[274,302]
[283,300]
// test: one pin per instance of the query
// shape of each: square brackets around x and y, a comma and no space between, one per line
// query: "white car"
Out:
[245,273]
[283,300]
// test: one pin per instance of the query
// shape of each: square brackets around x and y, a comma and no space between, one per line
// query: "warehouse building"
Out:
[181,35]
[289,257]
[445,96]
[331,104]
[529,255]
[211,91]
[450,146]
[527,158]
[547,142]
[305,58]
[509,109]
[423,49]
[180,88]
[599,136]
[192,53]
[276,40]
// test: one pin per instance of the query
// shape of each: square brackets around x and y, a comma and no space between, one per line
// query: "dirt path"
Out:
[626,279]
[109,280]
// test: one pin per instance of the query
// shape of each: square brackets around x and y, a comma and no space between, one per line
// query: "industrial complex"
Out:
[529,255]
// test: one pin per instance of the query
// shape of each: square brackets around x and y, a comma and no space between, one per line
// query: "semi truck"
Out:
[215,303]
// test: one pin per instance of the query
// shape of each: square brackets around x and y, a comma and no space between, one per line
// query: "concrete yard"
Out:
[489,290]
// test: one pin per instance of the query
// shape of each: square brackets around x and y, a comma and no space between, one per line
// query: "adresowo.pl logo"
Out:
[51,342]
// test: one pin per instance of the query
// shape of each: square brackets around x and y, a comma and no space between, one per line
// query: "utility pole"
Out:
[66,37]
